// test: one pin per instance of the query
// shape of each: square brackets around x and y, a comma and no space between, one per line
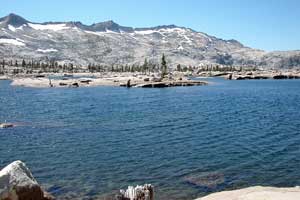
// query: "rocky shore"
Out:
[150,80]
[17,183]
[258,74]
[263,75]
[4,77]
[107,79]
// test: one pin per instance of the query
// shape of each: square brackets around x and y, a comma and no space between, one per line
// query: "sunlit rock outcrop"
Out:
[17,183]
[257,193]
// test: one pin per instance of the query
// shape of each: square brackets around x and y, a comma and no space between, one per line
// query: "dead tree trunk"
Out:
[145,192]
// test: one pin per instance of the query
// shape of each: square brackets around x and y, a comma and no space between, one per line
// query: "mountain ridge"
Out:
[110,43]
[109,24]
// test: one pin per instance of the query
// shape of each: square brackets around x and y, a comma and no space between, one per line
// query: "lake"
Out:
[87,143]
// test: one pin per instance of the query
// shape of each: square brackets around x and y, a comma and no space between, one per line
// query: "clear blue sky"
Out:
[263,24]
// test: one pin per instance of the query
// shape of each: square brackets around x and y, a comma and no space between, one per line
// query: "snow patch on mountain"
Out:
[47,50]
[109,31]
[29,36]
[17,42]
[95,33]
[21,27]
[12,28]
[162,31]
[52,27]
[147,32]
[102,33]
[180,47]
[187,39]
[173,30]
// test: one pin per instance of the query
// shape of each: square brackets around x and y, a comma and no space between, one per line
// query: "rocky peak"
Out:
[111,26]
[235,42]
[158,27]
[78,25]
[13,19]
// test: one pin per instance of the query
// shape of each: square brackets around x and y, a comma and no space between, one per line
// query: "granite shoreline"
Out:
[146,80]
[99,79]
[18,183]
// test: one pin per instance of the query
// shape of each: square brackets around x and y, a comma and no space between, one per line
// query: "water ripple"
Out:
[87,143]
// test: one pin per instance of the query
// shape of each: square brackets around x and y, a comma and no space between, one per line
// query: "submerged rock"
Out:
[17,183]
[208,180]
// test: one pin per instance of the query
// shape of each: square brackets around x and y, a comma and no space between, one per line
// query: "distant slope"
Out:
[110,43]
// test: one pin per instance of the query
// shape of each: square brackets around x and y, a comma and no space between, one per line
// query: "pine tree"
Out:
[71,67]
[179,67]
[163,66]
[23,63]
[145,65]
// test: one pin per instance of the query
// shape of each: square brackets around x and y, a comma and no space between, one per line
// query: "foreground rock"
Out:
[257,193]
[17,183]
[144,192]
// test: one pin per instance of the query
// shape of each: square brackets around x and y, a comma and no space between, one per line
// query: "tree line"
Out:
[52,66]
[33,66]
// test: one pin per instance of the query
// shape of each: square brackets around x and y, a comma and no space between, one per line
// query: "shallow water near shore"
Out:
[87,143]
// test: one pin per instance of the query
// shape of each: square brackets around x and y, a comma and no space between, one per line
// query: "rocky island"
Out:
[104,79]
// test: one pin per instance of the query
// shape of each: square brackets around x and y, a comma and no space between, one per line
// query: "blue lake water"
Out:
[87,143]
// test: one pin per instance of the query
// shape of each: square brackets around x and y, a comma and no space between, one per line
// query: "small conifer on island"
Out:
[163,66]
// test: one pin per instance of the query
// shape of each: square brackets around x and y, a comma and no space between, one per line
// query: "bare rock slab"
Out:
[257,193]
[17,183]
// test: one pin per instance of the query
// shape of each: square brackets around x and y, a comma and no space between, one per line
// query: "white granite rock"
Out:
[256,193]
[17,183]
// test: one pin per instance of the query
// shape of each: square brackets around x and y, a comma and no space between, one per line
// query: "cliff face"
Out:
[110,43]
